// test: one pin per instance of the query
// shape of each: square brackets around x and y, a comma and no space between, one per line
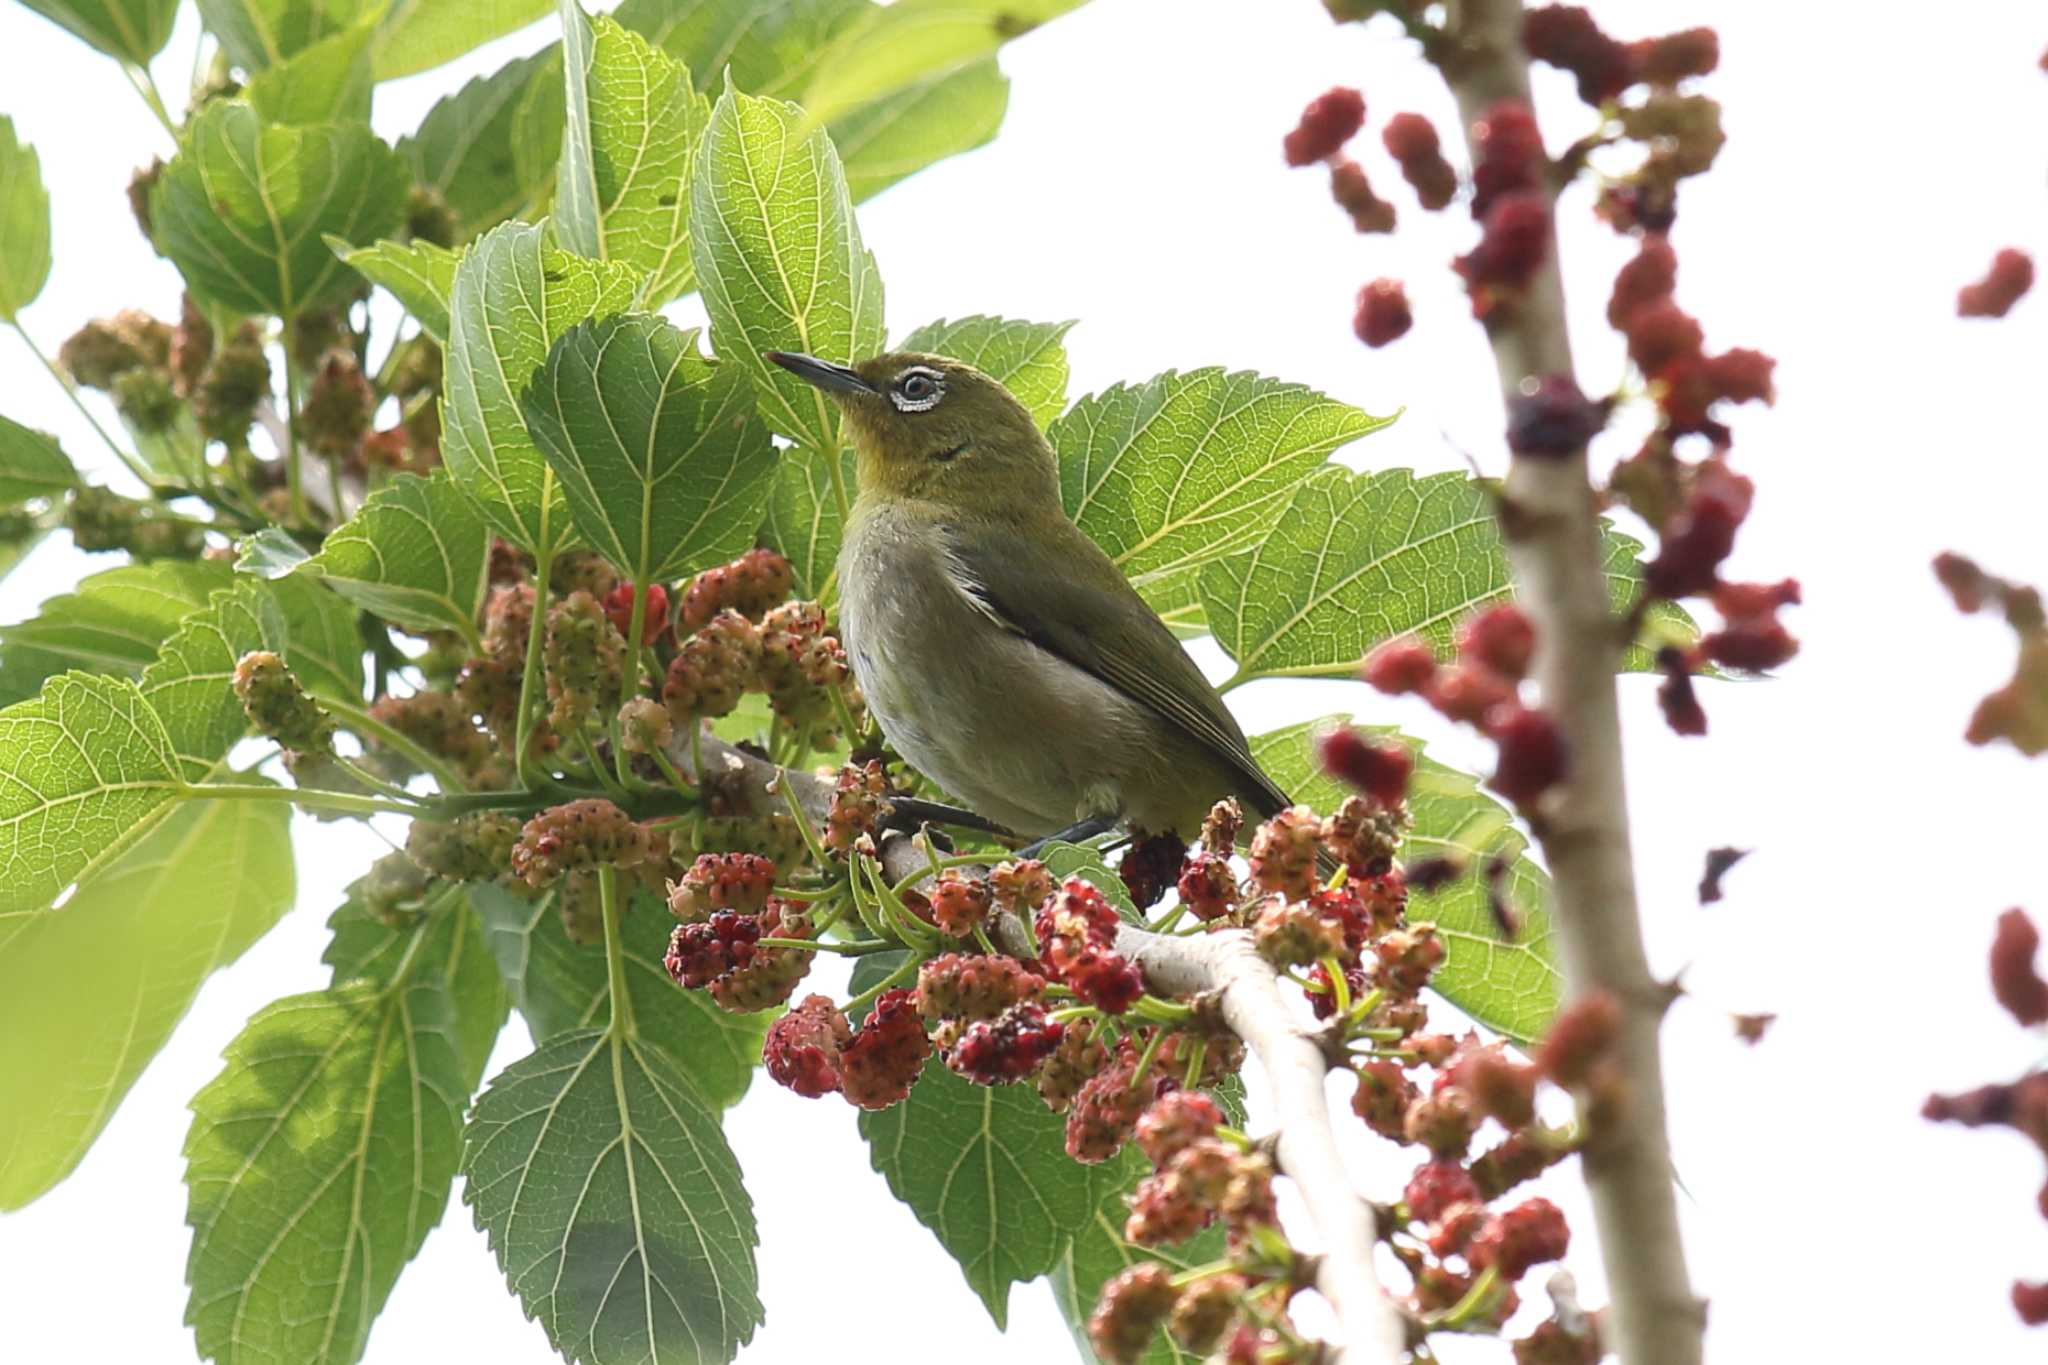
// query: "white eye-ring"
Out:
[917,389]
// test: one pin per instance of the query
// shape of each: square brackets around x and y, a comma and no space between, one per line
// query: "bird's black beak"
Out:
[823,373]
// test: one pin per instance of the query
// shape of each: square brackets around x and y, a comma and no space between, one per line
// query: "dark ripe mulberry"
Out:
[713,669]
[721,881]
[700,953]
[618,609]
[1552,420]
[1509,155]
[1676,696]
[1020,886]
[802,1048]
[1412,141]
[1382,1099]
[749,585]
[1379,769]
[1565,36]
[1207,885]
[1533,756]
[765,976]
[1283,856]
[1526,1235]
[1079,1056]
[1206,1311]
[969,986]
[1435,1187]
[278,707]
[1006,1048]
[959,903]
[2011,275]
[884,1058]
[1173,1121]
[1354,194]
[1321,989]
[2030,1301]
[586,833]
[1132,1308]
[1330,120]
[1150,866]
[1382,315]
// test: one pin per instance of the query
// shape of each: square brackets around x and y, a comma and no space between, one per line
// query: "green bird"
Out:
[1003,653]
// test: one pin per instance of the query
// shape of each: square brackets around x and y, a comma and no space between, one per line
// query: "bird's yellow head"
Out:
[935,429]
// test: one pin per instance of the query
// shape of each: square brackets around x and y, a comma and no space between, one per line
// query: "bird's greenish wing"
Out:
[1073,602]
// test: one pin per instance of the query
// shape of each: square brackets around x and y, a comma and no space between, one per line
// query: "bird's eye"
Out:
[918,389]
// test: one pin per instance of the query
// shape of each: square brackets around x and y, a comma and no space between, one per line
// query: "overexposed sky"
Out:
[1878,155]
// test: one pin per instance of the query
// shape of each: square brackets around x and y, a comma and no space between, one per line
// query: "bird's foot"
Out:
[911,813]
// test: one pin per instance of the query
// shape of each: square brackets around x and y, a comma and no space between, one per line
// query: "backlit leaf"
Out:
[32,465]
[913,41]
[132,30]
[418,35]
[904,132]
[114,622]
[465,147]
[418,274]
[24,224]
[414,553]
[328,82]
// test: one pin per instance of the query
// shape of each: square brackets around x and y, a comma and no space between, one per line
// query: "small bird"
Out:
[1003,653]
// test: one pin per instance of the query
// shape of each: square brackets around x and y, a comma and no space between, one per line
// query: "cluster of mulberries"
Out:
[722,954]
[860,799]
[1076,929]
[101,519]
[1483,689]
[814,1050]
[2021,1105]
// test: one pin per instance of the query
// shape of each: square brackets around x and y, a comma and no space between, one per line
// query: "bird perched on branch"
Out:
[1004,654]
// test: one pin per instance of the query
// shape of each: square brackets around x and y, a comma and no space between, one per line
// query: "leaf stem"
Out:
[629,686]
[145,86]
[529,678]
[361,720]
[294,481]
[1145,1058]
[614,953]
[343,803]
[133,465]
[896,978]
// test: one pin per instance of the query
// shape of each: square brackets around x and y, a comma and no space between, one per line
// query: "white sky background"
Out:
[1878,155]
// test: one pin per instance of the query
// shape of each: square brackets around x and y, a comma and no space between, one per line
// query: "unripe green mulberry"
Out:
[338,405]
[235,381]
[106,348]
[278,707]
[470,848]
[584,659]
[144,398]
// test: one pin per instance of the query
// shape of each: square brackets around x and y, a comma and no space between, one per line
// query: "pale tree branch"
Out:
[1549,522]
[1224,968]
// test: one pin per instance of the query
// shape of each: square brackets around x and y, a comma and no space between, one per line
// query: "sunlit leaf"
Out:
[986,1169]
[1174,472]
[419,35]
[24,224]
[243,209]
[514,296]
[418,274]
[32,465]
[665,467]
[114,622]
[634,122]
[102,983]
[415,553]
[902,133]
[913,41]
[613,1203]
[328,82]
[466,146]
[779,258]
[258,34]
[132,30]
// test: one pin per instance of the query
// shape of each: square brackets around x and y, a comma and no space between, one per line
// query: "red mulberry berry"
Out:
[749,585]
[1208,885]
[1553,419]
[1175,1120]
[1402,665]
[1701,535]
[2011,276]
[618,607]
[1220,827]
[965,986]
[1007,1048]
[1150,866]
[1380,770]
[1291,934]
[1435,1186]
[1354,194]
[1533,757]
[1322,992]
[1509,158]
[1661,334]
[1283,857]
[1133,1306]
[1078,1058]
[1513,245]
[1650,276]
[1526,1235]
[1020,886]
[1672,58]
[1565,36]
[1502,1090]
[883,1060]
[1442,1122]
[1500,638]
[1330,120]
[699,954]
[1412,141]
[1676,696]
[959,903]
[722,881]
[2030,1301]
[767,976]
[1580,1038]
[1406,958]
[578,834]
[1382,1099]
[1382,314]
[802,1048]
[2014,980]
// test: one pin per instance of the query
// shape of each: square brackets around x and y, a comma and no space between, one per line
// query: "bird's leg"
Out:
[1072,834]
[907,813]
